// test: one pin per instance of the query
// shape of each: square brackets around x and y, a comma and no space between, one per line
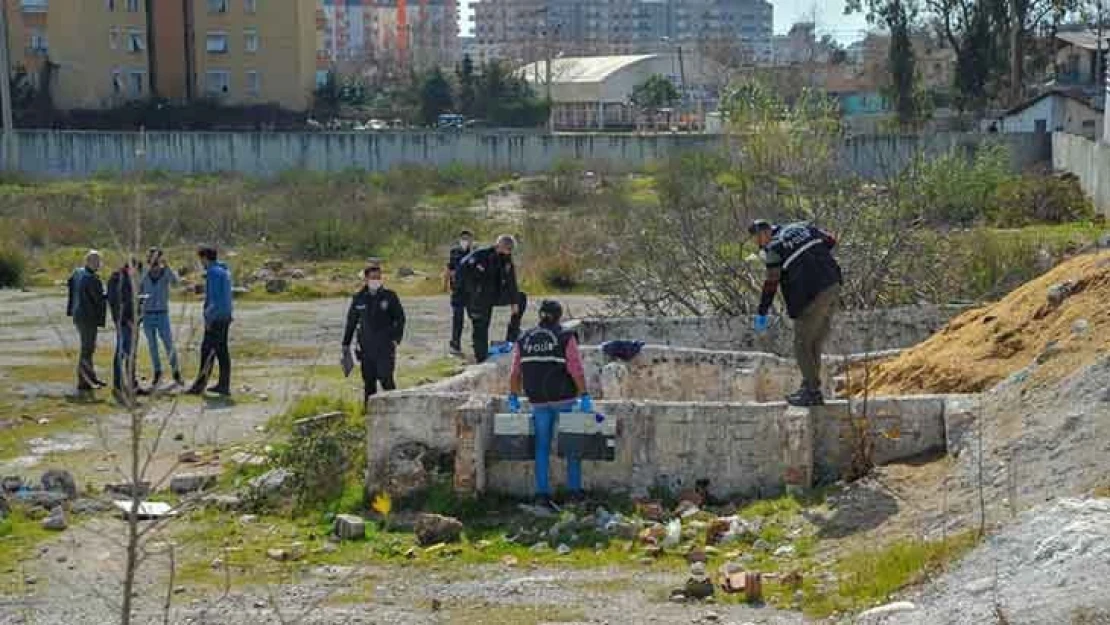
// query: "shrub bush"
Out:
[13,266]
[1045,199]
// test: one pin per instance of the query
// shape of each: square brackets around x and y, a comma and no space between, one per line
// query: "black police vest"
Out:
[808,266]
[543,360]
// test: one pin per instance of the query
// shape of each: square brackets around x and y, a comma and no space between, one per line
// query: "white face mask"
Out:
[374,285]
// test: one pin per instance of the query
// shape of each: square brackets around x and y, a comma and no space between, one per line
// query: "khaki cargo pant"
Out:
[811,328]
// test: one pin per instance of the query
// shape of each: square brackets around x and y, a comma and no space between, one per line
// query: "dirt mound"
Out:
[1060,322]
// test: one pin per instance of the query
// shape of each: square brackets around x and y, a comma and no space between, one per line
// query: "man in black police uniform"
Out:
[377,315]
[799,257]
[458,307]
[486,278]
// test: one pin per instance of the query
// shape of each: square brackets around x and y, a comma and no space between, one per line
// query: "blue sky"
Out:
[829,13]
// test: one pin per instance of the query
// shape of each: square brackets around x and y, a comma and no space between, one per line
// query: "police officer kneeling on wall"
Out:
[377,314]
[547,368]
[799,257]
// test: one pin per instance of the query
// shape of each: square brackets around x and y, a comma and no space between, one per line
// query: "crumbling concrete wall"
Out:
[659,373]
[741,448]
[852,333]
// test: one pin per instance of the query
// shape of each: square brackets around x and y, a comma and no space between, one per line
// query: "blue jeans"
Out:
[157,325]
[122,362]
[546,419]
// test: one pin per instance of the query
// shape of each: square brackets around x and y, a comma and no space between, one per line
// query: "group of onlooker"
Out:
[138,295]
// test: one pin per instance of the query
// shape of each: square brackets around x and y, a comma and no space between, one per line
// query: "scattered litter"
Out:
[147,509]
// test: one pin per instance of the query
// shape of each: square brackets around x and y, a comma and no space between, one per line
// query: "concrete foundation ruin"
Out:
[702,403]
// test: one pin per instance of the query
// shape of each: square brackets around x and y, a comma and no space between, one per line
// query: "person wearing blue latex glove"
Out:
[760,324]
[586,403]
[514,402]
[547,368]
[799,258]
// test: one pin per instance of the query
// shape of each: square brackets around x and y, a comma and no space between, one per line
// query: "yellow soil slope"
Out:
[982,347]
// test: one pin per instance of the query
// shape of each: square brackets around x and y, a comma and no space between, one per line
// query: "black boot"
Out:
[157,381]
[177,379]
[806,397]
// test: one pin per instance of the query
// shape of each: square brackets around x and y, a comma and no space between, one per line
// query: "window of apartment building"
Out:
[136,83]
[254,83]
[37,41]
[135,40]
[113,38]
[250,40]
[250,7]
[217,83]
[111,5]
[117,82]
[132,6]
[216,43]
[217,6]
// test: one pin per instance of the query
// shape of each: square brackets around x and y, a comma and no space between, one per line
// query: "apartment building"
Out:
[367,36]
[104,53]
[252,51]
[524,30]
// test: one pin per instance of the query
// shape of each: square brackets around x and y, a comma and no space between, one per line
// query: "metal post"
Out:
[9,154]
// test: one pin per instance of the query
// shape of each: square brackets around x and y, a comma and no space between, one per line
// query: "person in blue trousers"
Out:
[547,368]
[154,303]
[121,303]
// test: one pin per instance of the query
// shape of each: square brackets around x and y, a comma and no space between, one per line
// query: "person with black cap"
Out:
[458,305]
[799,257]
[487,278]
[378,317]
[154,307]
[547,368]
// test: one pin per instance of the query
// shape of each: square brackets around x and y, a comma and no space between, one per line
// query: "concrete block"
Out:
[350,527]
[186,483]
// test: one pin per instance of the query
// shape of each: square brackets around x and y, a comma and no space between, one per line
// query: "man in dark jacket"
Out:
[217,322]
[458,306]
[87,306]
[377,316]
[486,279]
[799,257]
[121,301]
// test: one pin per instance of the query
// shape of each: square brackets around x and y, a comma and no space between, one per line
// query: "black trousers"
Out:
[86,373]
[214,349]
[480,319]
[378,364]
[457,315]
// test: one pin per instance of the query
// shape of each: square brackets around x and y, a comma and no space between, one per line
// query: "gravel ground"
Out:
[1049,567]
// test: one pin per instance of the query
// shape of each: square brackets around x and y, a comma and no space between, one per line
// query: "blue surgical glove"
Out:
[585,403]
[760,324]
[514,403]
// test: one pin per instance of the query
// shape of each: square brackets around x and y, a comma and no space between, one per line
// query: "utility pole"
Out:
[6,91]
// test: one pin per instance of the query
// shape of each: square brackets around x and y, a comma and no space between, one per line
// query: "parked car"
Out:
[450,121]
[377,125]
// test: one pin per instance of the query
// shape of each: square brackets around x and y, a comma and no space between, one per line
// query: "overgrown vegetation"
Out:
[13,266]
[928,234]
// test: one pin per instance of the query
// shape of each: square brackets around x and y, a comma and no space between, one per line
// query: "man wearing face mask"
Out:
[458,304]
[379,319]
[488,279]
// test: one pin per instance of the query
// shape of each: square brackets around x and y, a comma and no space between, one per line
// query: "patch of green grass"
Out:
[19,536]
[24,425]
[869,576]
[434,371]
[311,406]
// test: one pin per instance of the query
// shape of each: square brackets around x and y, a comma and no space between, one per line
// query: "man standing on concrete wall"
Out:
[488,279]
[376,313]
[458,305]
[548,369]
[88,308]
[217,322]
[799,257]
